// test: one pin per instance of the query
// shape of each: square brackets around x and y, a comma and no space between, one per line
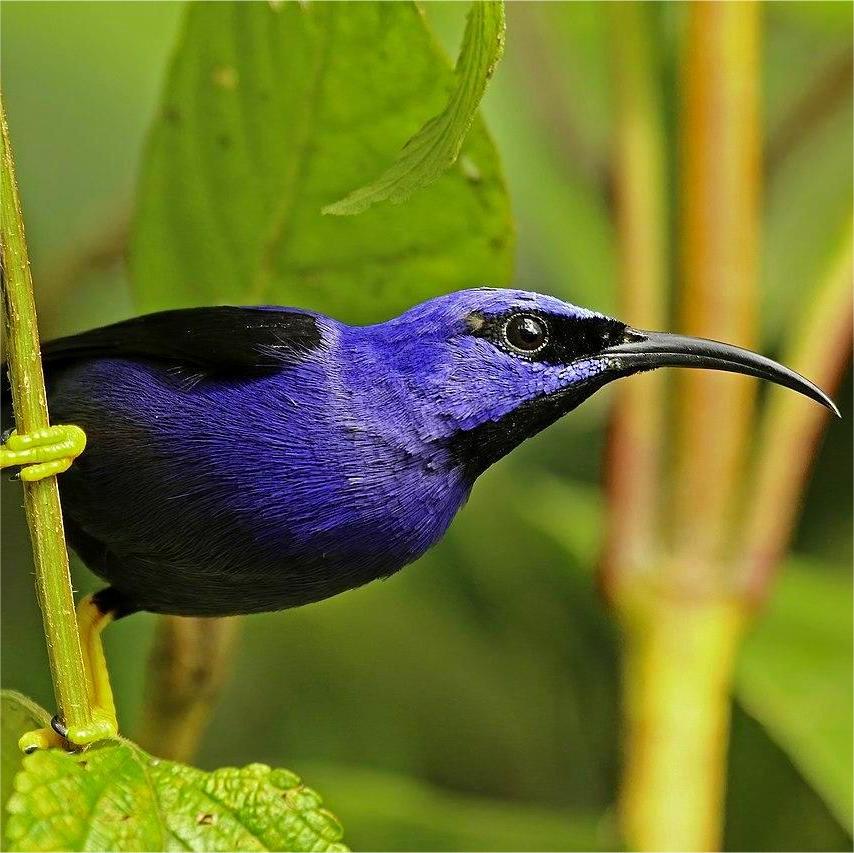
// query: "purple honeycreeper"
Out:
[239,460]
[249,459]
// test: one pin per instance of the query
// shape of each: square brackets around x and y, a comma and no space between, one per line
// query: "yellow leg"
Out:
[44,452]
[91,620]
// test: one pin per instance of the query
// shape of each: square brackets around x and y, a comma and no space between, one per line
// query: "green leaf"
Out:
[769,804]
[435,148]
[117,797]
[17,715]
[795,677]
[272,111]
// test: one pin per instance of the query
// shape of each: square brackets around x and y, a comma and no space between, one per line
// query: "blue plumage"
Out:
[242,460]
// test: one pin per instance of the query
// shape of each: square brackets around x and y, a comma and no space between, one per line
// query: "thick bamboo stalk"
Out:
[720,178]
[681,624]
[678,661]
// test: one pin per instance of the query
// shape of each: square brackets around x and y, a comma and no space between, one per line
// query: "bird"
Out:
[248,459]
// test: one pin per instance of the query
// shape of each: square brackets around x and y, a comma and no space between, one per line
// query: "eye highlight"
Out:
[525,333]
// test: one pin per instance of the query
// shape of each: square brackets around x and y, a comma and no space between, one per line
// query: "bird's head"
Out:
[495,366]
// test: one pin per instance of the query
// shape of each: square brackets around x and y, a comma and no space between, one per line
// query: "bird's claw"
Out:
[44,452]
[45,738]
[102,726]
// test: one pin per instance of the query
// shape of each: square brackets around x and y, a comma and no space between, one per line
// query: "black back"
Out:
[223,339]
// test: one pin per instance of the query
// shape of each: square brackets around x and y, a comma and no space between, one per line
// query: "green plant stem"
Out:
[41,498]
[677,672]
[637,425]
[188,666]
[820,349]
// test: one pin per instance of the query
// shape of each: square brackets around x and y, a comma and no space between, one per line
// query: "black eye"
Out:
[525,333]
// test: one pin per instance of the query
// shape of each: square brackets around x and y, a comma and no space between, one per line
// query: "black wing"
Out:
[224,339]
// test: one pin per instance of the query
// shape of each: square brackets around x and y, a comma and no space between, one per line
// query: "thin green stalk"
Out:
[41,498]
[820,348]
[637,424]
[188,666]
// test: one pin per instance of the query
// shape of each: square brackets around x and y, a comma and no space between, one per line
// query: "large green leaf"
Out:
[437,145]
[117,797]
[795,677]
[272,111]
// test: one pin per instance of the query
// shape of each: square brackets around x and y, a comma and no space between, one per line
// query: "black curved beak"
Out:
[644,350]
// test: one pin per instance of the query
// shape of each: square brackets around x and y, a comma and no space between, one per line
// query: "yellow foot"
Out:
[44,452]
[40,739]
[101,727]
[92,618]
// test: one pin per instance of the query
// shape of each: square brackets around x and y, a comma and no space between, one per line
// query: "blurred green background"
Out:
[471,701]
